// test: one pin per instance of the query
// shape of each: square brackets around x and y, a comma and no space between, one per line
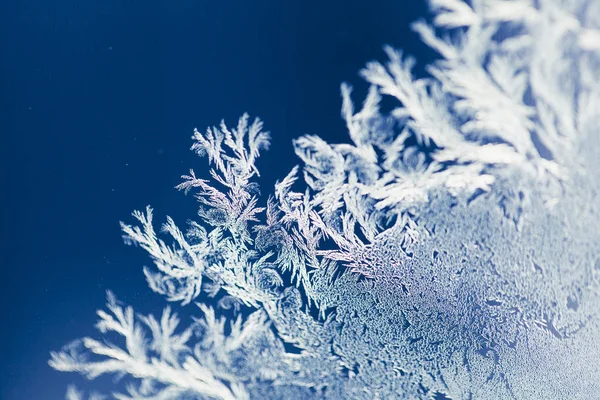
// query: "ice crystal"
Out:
[448,250]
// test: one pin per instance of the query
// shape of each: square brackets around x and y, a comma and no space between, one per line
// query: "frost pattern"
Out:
[448,250]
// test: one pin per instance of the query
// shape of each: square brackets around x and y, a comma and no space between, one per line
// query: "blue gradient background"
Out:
[98,103]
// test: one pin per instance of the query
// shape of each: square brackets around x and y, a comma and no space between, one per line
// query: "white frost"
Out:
[449,248]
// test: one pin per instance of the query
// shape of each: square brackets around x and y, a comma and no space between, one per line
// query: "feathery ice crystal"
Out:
[448,250]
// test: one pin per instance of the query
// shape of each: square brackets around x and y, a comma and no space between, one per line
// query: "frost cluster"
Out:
[449,249]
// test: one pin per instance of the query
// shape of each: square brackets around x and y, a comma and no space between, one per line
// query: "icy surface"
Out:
[449,249]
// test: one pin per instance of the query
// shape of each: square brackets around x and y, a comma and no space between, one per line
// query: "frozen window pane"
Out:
[448,249]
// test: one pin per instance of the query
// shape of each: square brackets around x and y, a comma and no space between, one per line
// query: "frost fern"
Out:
[448,249]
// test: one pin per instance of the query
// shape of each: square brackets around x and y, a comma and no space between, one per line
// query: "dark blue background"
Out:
[98,103]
